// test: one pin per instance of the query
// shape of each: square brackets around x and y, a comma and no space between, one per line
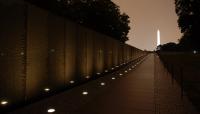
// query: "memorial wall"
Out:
[39,50]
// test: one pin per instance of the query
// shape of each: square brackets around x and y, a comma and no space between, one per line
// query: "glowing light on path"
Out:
[4,102]
[113,78]
[85,93]
[51,110]
[46,89]
[103,84]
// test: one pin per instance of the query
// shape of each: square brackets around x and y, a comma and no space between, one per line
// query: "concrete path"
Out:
[145,89]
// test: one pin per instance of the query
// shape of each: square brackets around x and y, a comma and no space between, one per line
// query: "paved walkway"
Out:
[146,89]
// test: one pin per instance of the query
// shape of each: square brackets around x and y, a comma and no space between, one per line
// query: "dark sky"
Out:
[147,16]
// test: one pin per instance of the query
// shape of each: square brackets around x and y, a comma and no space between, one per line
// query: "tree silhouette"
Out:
[168,47]
[189,16]
[101,15]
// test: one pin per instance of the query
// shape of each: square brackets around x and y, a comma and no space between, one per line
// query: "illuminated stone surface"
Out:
[142,91]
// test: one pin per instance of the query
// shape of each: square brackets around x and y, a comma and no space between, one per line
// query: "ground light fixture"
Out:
[47,89]
[4,102]
[51,110]
[87,77]
[98,73]
[72,82]
[2,54]
[52,50]
[84,93]
[195,52]
[103,83]
[22,53]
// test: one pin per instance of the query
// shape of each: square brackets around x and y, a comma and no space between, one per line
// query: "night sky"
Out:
[147,16]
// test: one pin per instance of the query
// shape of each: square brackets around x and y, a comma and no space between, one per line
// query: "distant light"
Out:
[103,84]
[22,53]
[129,69]
[2,54]
[125,71]
[52,50]
[85,93]
[4,102]
[195,52]
[87,77]
[120,74]
[117,66]
[51,110]
[191,13]
[98,73]
[68,2]
[113,68]
[106,70]
[46,89]
[113,78]
[72,82]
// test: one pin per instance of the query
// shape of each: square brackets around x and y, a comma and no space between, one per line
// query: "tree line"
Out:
[188,12]
[101,15]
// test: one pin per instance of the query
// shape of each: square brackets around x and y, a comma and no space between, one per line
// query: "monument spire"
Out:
[158,37]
